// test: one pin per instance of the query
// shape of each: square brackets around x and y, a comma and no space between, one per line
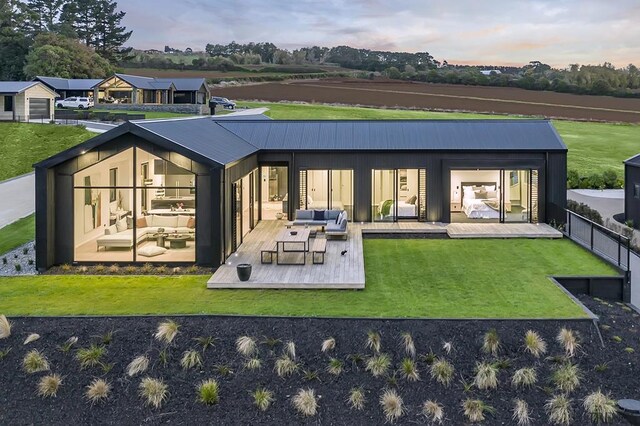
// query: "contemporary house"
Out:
[67,87]
[211,180]
[133,89]
[26,100]
[632,189]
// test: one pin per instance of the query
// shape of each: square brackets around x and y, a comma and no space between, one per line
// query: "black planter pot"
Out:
[244,271]
[630,410]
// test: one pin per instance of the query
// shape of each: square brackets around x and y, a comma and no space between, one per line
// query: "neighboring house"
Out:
[133,89]
[26,100]
[489,72]
[632,189]
[193,188]
[67,87]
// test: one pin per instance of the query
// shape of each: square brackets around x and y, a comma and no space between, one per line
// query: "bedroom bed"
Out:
[480,200]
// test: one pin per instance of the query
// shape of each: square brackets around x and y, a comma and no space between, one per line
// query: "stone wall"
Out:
[174,108]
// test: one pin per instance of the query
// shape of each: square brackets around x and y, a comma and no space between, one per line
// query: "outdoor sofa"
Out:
[334,221]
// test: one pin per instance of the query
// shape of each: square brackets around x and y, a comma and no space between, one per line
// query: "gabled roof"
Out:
[69,83]
[393,135]
[15,87]
[185,84]
[633,161]
[145,82]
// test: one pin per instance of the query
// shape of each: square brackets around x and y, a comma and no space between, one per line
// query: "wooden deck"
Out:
[346,271]
[337,272]
[502,230]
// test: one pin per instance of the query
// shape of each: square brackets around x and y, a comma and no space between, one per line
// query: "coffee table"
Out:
[160,236]
[177,241]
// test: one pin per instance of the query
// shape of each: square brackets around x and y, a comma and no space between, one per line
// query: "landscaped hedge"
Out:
[584,211]
[607,180]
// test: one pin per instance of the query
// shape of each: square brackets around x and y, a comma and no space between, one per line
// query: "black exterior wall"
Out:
[631,203]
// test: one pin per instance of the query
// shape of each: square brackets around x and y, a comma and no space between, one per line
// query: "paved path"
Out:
[607,202]
[18,198]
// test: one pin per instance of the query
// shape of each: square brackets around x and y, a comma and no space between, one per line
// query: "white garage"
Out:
[26,101]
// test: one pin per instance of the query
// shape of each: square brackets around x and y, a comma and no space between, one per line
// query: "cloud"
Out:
[558,32]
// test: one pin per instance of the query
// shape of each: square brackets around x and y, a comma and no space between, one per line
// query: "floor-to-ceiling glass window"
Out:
[342,191]
[134,206]
[398,194]
[383,190]
[318,189]
[327,189]
[244,207]
[274,192]
[495,195]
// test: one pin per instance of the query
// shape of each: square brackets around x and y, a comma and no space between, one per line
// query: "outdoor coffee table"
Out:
[298,238]
[177,241]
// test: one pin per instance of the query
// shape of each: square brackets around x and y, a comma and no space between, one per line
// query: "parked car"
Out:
[224,102]
[75,102]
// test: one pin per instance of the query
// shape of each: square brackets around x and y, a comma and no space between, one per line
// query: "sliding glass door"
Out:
[327,189]
[398,194]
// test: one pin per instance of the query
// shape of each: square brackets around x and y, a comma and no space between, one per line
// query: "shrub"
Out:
[524,377]
[262,398]
[97,391]
[378,365]
[167,331]
[442,371]
[475,409]
[34,362]
[246,345]
[392,405]
[335,366]
[130,269]
[559,410]
[305,402]
[585,211]
[208,392]
[91,356]
[114,269]
[99,268]
[285,366]
[31,338]
[328,344]
[521,413]
[534,344]
[491,342]
[153,391]
[486,376]
[408,344]
[68,344]
[205,342]
[433,411]
[409,370]
[25,250]
[374,341]
[146,268]
[253,364]
[18,267]
[356,398]
[65,267]
[566,377]
[191,359]
[600,407]
[48,385]
[569,341]
[4,260]
[290,349]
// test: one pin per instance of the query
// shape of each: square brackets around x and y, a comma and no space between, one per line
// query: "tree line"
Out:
[62,38]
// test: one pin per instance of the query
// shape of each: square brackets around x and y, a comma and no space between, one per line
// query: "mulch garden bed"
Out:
[114,269]
[133,336]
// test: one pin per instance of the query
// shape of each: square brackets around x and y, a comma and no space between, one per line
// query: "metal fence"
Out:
[604,242]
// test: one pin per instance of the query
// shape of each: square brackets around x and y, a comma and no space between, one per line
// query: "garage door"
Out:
[38,108]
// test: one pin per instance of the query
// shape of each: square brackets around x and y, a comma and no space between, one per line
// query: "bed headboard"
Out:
[463,184]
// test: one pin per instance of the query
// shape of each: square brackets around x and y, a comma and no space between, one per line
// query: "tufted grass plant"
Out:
[285,366]
[154,392]
[335,367]
[290,349]
[524,377]
[305,402]
[491,342]
[534,344]
[91,356]
[5,327]
[191,359]
[253,364]
[262,398]
[356,398]
[49,385]
[246,346]
[378,365]
[34,362]
[138,365]
[374,341]
[97,391]
[167,331]
[328,344]
[566,377]
[521,413]
[31,338]
[433,411]
[409,370]
[486,376]
[442,371]
[569,341]
[600,407]
[475,410]
[392,405]
[408,344]
[208,392]
[559,410]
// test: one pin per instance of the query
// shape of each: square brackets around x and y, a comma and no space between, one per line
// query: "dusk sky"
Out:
[494,32]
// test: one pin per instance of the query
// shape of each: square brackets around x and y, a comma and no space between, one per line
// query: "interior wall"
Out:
[459,176]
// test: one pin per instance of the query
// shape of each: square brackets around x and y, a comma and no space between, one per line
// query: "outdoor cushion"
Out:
[318,215]
[333,214]
[151,250]
[182,221]
[304,214]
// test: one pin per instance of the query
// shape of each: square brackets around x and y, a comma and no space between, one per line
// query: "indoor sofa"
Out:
[121,234]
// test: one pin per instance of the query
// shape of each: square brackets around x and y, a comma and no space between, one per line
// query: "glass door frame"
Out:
[304,181]
[396,192]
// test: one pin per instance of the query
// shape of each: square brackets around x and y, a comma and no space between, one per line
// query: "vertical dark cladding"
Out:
[631,203]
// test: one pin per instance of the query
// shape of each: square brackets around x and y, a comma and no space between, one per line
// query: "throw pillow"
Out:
[141,222]
[129,222]
[191,223]
[121,225]
[481,195]
[318,215]
[412,200]
[339,218]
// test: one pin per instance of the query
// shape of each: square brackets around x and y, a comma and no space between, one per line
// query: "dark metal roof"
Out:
[69,83]
[13,87]
[184,84]
[387,135]
[633,161]
[201,135]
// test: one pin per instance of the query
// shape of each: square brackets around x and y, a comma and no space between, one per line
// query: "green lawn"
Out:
[22,144]
[17,233]
[405,278]
[593,147]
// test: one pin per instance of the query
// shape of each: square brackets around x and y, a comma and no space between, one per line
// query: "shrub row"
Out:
[607,180]
[585,211]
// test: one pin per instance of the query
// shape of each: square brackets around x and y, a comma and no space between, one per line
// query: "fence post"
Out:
[591,236]
[619,250]
[569,223]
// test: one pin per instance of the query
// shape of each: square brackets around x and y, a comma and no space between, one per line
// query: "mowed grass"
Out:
[593,147]
[23,144]
[404,278]
[17,233]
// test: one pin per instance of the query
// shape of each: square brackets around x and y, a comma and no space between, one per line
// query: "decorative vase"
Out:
[279,215]
[244,271]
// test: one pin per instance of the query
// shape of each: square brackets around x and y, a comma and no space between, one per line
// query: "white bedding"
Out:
[405,209]
[320,205]
[477,209]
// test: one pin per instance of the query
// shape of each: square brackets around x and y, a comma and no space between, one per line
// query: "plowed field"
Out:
[443,97]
